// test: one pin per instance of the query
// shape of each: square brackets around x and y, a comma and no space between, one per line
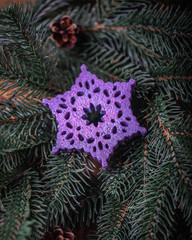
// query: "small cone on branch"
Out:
[59,234]
[63,32]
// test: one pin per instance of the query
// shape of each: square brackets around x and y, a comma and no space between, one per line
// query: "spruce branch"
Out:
[22,201]
[118,67]
[29,131]
[120,189]
[24,65]
[65,180]
[167,116]
[158,160]
[43,9]
[174,78]
[136,198]
[37,206]
[164,17]
[167,160]
[24,126]
[16,210]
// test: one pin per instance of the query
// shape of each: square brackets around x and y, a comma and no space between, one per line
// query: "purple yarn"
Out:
[94,116]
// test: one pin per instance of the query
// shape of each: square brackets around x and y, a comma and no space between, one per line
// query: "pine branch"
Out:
[65,180]
[146,222]
[37,206]
[112,62]
[162,161]
[43,9]
[16,211]
[21,197]
[50,9]
[91,203]
[135,198]
[25,126]
[120,190]
[165,19]
[163,49]
[175,80]
[169,116]
[24,65]
[9,161]
[161,195]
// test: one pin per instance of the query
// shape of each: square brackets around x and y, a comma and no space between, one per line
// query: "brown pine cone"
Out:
[59,234]
[63,32]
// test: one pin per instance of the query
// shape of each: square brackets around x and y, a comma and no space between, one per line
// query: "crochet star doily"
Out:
[94,116]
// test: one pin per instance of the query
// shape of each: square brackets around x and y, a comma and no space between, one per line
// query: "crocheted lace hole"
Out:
[97,90]
[108,101]
[114,88]
[63,133]
[93,114]
[63,99]
[81,138]
[87,85]
[72,100]
[100,145]
[97,134]
[123,97]
[120,113]
[107,146]
[117,94]
[80,94]
[59,111]
[72,142]
[114,130]
[94,149]
[106,92]
[107,136]
[124,130]
[74,109]
[128,118]
[92,81]
[89,95]
[68,124]
[118,105]
[124,124]
[69,136]
[78,128]
[67,115]
[90,140]
[113,120]
[63,106]
[80,84]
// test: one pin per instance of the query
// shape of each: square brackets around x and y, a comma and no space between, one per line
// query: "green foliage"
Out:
[24,65]
[65,179]
[150,178]
[121,187]
[15,210]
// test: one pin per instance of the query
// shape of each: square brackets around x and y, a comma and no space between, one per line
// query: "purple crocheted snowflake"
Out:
[94,116]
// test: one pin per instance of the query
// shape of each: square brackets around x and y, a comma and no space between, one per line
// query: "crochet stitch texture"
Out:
[94,116]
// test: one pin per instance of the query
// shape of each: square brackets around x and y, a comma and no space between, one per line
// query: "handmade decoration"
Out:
[63,32]
[94,116]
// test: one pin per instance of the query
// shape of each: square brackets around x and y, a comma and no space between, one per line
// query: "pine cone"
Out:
[59,234]
[63,32]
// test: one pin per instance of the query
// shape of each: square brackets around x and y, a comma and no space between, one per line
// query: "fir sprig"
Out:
[136,198]
[16,209]
[23,63]
[62,193]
